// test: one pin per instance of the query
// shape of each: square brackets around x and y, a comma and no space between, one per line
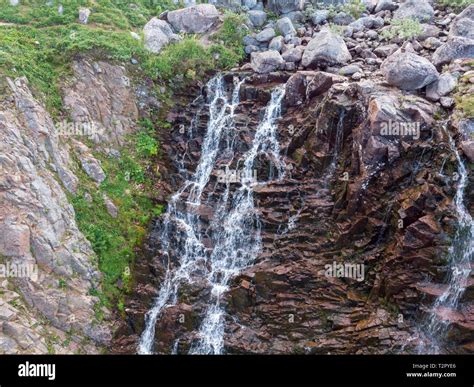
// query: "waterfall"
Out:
[234,227]
[460,254]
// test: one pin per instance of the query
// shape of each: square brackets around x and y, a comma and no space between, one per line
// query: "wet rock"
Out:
[266,62]
[408,71]
[196,19]
[257,18]
[158,34]
[420,10]
[325,48]
[321,82]
[295,93]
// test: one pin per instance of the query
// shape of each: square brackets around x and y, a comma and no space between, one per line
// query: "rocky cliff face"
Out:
[50,308]
[325,212]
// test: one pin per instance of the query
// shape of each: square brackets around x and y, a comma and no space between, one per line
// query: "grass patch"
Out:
[114,240]
[403,29]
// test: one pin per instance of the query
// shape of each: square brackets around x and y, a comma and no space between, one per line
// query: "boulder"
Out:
[276,43]
[293,54]
[408,71]
[385,5]
[266,35]
[445,84]
[420,10]
[195,20]
[257,18]
[456,47]
[285,6]
[370,5]
[343,19]
[384,51]
[463,24]
[266,62]
[320,16]
[157,34]
[325,48]
[468,149]
[285,26]
[295,90]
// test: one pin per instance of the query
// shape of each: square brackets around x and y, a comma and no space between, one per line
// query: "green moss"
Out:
[465,103]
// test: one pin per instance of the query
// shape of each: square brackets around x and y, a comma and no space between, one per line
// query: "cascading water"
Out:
[461,254]
[234,227]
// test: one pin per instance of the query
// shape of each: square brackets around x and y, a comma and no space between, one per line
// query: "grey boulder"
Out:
[157,34]
[326,48]
[420,10]
[408,71]
[266,62]
[196,19]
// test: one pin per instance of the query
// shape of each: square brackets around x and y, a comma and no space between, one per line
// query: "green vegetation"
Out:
[355,8]
[336,29]
[456,4]
[403,29]
[129,186]
[43,44]
[465,103]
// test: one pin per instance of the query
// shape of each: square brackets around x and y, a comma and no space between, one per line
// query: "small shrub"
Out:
[403,29]
[355,8]
[147,146]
